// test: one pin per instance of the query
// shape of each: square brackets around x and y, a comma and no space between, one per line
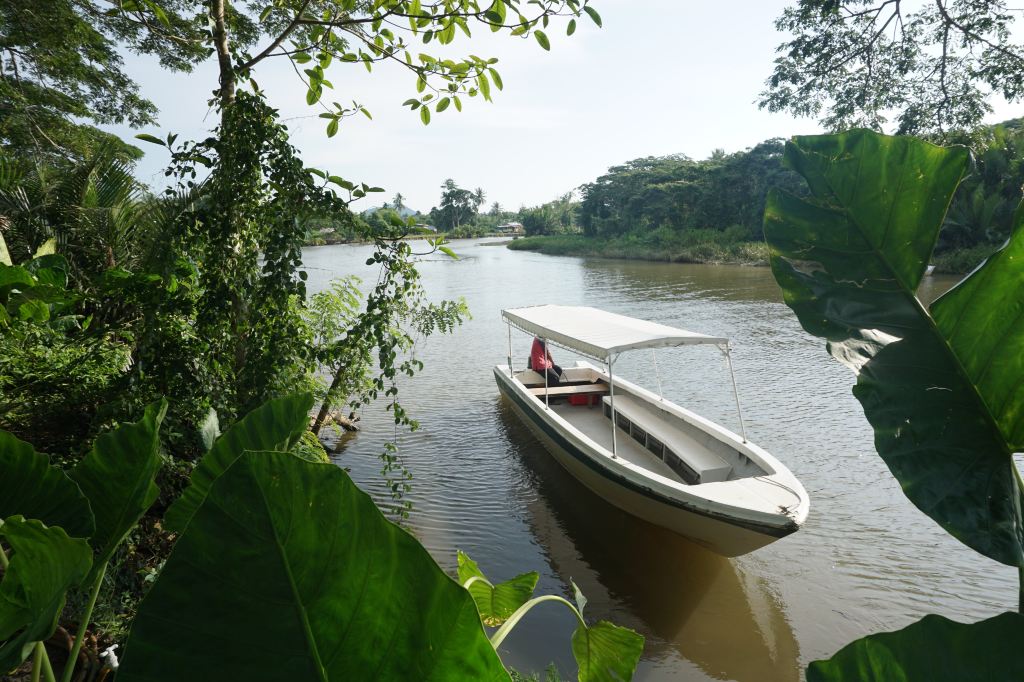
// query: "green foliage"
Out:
[680,194]
[933,648]
[458,206]
[52,383]
[939,387]
[62,67]
[326,318]
[496,603]
[54,367]
[690,246]
[551,674]
[32,487]
[44,565]
[959,261]
[118,479]
[934,65]
[276,425]
[334,591]
[310,449]
[118,476]
[604,652]
[93,207]
[983,208]
[938,413]
[246,232]
[293,559]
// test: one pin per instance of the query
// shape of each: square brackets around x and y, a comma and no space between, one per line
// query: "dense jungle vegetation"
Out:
[676,209]
[164,372]
[163,351]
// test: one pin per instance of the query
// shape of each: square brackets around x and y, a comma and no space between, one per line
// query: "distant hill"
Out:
[405,211]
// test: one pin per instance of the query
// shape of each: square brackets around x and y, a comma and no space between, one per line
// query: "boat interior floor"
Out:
[596,426]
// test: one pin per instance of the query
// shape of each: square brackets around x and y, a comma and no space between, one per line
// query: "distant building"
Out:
[424,226]
[511,228]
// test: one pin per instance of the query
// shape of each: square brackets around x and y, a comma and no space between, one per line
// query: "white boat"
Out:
[661,462]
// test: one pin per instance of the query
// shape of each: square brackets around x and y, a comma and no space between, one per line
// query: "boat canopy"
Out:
[598,333]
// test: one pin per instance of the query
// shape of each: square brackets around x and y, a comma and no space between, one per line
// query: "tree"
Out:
[258,193]
[933,66]
[61,69]
[457,206]
[538,221]
[478,198]
[398,203]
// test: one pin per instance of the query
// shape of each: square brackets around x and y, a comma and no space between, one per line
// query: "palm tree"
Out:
[397,202]
[478,197]
[98,214]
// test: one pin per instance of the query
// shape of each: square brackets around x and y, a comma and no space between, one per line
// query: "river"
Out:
[866,561]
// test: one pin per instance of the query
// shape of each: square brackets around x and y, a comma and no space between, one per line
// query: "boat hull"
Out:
[725,535]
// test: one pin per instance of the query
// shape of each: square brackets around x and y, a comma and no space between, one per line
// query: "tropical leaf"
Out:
[275,425]
[209,429]
[606,652]
[287,565]
[48,248]
[33,488]
[118,476]
[933,649]
[5,254]
[45,563]
[51,269]
[496,603]
[14,277]
[939,392]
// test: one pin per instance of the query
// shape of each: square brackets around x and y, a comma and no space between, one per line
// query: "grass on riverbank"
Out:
[960,261]
[693,246]
[706,246]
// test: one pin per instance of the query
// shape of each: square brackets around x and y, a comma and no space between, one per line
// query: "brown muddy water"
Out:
[866,561]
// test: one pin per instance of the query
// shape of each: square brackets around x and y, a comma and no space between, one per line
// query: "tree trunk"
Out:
[218,8]
[325,408]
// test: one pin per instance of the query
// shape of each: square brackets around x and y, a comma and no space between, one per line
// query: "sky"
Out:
[661,77]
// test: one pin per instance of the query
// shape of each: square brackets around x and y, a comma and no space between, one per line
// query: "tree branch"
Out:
[950,21]
[220,42]
[277,41]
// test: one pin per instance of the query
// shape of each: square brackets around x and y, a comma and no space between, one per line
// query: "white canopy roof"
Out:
[598,333]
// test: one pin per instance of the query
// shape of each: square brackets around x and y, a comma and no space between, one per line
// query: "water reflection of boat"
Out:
[687,601]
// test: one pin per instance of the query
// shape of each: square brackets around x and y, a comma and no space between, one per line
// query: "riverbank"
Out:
[332,240]
[704,246]
[706,249]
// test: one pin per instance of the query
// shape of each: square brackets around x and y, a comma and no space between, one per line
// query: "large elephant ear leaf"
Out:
[287,565]
[934,648]
[45,563]
[849,260]
[118,476]
[496,603]
[276,425]
[32,487]
[605,652]
[982,319]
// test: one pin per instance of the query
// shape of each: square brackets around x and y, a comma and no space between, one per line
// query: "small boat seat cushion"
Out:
[708,466]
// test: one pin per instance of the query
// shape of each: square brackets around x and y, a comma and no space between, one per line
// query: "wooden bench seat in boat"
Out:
[699,464]
[570,390]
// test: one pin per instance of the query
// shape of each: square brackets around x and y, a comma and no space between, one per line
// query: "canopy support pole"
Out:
[547,404]
[735,392]
[611,393]
[511,374]
[654,357]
